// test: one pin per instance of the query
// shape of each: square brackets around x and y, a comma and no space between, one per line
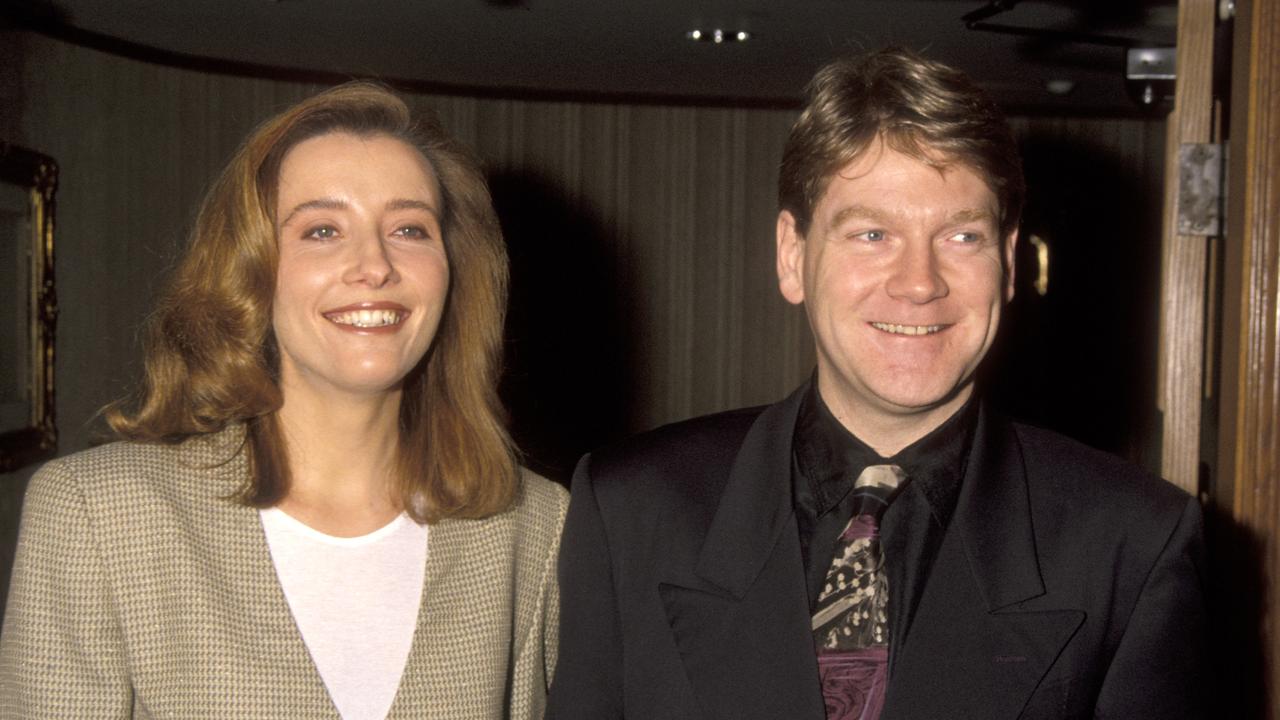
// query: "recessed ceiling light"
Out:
[718,36]
[1059,86]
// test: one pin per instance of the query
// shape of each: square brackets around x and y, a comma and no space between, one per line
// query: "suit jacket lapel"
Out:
[972,650]
[755,506]
[741,620]
[993,517]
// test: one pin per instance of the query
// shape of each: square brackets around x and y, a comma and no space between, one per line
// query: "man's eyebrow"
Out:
[860,211]
[971,215]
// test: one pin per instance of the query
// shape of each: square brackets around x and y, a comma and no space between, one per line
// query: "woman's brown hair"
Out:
[211,357]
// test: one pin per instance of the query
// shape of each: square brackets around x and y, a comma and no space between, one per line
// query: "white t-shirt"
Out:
[355,601]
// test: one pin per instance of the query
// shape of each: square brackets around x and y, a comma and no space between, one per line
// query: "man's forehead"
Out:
[890,212]
[872,155]
[894,186]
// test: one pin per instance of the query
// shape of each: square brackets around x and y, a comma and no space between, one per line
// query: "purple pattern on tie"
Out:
[853,682]
[850,619]
[851,610]
[862,526]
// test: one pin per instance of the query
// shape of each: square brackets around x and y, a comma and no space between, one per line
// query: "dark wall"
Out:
[12,485]
[1081,358]
[641,240]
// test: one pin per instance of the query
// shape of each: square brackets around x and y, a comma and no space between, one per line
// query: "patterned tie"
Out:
[851,620]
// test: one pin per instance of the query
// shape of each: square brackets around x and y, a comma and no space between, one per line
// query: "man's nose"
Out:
[916,276]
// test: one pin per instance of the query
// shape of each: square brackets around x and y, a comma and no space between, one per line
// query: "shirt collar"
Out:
[829,457]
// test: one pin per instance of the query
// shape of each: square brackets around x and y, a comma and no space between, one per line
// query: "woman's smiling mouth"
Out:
[369,316]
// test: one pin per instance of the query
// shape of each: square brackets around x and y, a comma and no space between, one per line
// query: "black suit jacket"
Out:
[1068,584]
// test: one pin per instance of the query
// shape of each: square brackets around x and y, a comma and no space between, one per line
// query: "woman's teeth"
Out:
[366,318]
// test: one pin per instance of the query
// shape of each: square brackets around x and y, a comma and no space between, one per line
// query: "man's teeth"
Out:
[366,318]
[907,329]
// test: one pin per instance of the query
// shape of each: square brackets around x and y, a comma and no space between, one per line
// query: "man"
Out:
[881,544]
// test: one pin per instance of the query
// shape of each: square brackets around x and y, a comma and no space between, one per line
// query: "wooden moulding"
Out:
[36,175]
[1245,519]
[1255,445]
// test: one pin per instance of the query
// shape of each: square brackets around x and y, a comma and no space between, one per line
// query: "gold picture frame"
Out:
[28,306]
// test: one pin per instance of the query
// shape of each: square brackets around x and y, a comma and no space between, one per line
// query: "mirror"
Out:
[28,308]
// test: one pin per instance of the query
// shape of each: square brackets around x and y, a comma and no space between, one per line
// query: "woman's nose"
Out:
[371,263]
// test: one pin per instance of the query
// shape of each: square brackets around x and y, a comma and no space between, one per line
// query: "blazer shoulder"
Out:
[679,468]
[126,465]
[127,479]
[540,505]
[1046,449]
[680,447]
[1085,485]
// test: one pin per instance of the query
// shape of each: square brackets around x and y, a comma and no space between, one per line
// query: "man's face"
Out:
[902,275]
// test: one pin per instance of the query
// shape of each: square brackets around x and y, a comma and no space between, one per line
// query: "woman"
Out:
[316,511]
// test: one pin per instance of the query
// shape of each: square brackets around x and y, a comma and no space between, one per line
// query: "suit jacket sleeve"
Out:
[61,652]
[1159,667]
[588,679]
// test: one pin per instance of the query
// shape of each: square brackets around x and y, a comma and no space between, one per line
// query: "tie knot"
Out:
[880,476]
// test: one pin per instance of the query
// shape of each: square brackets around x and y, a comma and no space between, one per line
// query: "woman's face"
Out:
[363,274]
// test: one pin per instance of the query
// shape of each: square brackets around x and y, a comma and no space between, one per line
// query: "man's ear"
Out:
[790,259]
[1010,263]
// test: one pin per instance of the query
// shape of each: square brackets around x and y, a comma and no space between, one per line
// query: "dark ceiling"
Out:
[638,51]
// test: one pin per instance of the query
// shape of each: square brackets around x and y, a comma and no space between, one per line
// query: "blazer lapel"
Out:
[463,626]
[972,649]
[255,616]
[741,620]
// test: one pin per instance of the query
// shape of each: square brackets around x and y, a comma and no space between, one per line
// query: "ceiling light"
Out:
[1059,86]
[718,36]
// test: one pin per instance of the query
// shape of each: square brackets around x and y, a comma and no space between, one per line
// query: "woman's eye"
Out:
[321,232]
[413,232]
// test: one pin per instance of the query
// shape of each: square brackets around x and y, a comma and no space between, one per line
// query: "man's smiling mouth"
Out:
[907,329]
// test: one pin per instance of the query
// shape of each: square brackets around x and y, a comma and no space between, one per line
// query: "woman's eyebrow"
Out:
[409,204]
[317,204]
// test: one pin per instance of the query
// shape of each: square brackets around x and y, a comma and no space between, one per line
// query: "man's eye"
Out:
[966,237]
[321,232]
[872,235]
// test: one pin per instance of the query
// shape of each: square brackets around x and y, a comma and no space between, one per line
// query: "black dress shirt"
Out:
[827,459]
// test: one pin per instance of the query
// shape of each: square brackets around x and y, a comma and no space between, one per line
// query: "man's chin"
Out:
[914,402]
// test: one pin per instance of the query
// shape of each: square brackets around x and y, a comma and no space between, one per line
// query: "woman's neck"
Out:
[342,461]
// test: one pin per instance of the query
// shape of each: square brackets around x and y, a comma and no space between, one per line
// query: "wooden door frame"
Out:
[1185,266]
[1246,499]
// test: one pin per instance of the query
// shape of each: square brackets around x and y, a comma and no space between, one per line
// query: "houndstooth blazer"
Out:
[140,591]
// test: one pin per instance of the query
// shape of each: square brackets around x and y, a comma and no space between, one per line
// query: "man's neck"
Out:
[888,430]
